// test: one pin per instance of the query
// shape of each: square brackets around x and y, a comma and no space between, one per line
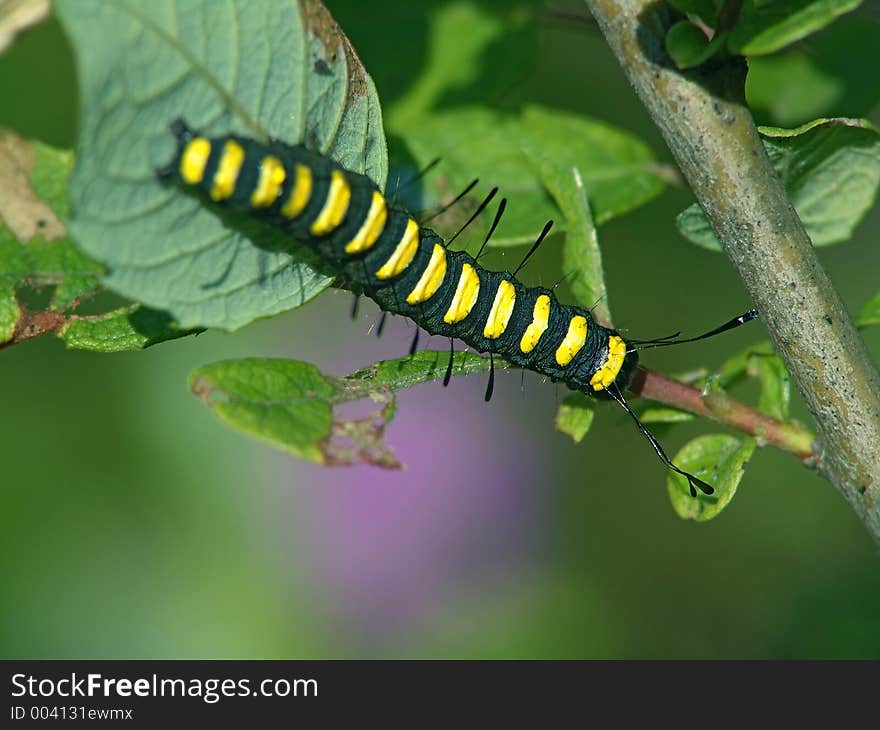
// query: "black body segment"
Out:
[407,270]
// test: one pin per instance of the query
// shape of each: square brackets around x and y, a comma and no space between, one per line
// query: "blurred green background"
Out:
[135,525]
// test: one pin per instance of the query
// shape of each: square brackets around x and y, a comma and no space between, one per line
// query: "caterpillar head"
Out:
[616,366]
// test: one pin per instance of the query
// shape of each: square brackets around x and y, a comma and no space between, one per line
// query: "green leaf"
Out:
[718,459]
[706,10]
[618,171]
[291,405]
[688,46]
[761,362]
[575,416]
[285,402]
[406,372]
[247,67]
[766,26]
[18,16]
[831,171]
[664,414]
[870,314]
[836,70]
[791,88]
[9,310]
[36,253]
[130,328]
[737,366]
[775,384]
[581,255]
[467,32]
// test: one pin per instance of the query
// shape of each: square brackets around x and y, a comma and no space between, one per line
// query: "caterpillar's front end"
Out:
[616,365]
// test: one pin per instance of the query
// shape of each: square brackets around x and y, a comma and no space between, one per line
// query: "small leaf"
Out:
[706,10]
[870,314]
[831,171]
[693,224]
[618,170]
[775,384]
[836,70]
[581,255]
[688,46]
[36,252]
[664,414]
[718,459]
[766,26]
[291,405]
[9,310]
[246,66]
[18,15]
[575,416]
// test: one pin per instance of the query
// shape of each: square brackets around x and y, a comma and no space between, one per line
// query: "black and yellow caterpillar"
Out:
[407,269]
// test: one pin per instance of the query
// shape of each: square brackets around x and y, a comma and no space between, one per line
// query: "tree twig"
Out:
[720,407]
[704,119]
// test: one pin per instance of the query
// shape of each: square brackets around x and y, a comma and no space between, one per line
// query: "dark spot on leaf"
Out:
[862,489]
[828,319]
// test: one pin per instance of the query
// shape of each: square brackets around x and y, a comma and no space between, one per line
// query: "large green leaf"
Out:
[718,459]
[618,171]
[766,26]
[688,46]
[831,171]
[37,254]
[257,67]
[290,404]
[775,384]
[18,15]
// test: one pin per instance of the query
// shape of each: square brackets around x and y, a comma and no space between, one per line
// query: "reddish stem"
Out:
[719,407]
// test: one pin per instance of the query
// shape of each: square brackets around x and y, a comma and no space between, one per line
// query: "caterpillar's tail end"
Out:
[183,134]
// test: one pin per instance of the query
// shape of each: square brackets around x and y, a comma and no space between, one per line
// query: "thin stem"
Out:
[720,407]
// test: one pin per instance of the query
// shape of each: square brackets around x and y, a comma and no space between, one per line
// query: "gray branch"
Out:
[705,121]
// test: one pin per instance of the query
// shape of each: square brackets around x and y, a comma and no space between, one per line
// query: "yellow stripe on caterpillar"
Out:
[431,278]
[372,227]
[299,196]
[465,295]
[606,374]
[540,318]
[573,342]
[502,308]
[272,177]
[227,171]
[194,160]
[335,207]
[403,254]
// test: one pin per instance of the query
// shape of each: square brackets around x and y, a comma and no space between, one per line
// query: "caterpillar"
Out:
[409,270]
